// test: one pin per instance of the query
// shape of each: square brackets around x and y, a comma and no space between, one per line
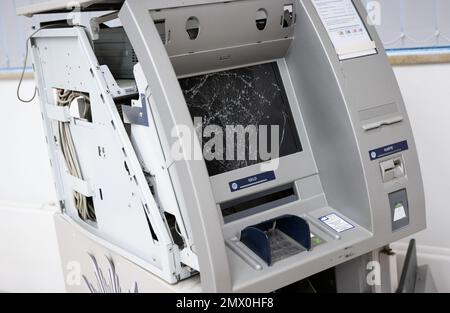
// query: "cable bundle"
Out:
[65,98]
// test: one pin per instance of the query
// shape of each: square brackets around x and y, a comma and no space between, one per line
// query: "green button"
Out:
[317,240]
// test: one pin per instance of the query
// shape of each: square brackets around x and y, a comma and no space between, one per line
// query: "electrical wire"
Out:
[177,229]
[64,99]
[314,290]
[24,68]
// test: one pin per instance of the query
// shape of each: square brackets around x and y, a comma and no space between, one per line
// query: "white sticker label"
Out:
[345,28]
[336,223]
[399,212]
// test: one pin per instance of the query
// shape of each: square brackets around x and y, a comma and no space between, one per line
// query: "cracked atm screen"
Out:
[252,99]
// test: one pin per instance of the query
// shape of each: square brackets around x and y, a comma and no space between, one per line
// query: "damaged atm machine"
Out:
[224,146]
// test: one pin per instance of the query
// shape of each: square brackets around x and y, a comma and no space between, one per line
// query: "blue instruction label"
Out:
[251,181]
[388,150]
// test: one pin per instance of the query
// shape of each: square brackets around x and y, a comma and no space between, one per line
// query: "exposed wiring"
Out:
[312,286]
[64,99]
[24,68]
[271,231]
[177,229]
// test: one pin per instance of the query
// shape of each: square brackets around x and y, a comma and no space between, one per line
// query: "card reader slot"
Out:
[392,169]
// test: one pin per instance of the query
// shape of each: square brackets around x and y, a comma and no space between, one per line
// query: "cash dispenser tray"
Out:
[277,239]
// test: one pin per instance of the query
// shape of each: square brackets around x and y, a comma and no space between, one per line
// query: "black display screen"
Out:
[252,96]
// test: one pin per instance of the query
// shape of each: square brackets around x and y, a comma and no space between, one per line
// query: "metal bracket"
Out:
[81,186]
[117,88]
[58,113]
[136,115]
[96,21]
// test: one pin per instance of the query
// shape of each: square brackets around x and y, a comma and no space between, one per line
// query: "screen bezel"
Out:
[291,167]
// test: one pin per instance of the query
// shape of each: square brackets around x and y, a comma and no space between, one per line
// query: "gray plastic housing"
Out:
[336,99]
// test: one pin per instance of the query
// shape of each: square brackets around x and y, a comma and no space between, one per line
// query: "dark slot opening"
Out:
[161,27]
[323,282]
[56,24]
[127,169]
[261,19]
[288,15]
[261,24]
[174,230]
[152,231]
[193,27]
[240,208]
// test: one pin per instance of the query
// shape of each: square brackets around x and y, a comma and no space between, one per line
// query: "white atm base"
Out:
[94,265]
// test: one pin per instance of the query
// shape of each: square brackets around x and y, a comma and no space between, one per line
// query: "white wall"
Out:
[25,178]
[29,258]
[426,91]
[24,167]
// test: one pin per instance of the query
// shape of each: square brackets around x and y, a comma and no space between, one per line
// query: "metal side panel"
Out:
[122,198]
[56,6]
